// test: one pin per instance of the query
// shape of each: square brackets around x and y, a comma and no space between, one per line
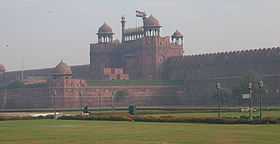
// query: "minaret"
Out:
[123,27]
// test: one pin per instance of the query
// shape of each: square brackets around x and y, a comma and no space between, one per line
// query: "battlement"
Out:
[113,70]
[115,74]
[79,66]
[79,71]
[104,47]
[223,56]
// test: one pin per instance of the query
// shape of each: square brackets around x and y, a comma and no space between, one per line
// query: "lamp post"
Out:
[251,100]
[81,100]
[148,99]
[100,101]
[113,106]
[277,95]
[54,105]
[261,86]
[218,86]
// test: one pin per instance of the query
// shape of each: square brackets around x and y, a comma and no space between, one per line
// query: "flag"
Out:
[140,14]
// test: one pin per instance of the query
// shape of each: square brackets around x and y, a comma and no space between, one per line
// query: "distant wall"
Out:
[25,98]
[202,72]
[35,98]
[79,72]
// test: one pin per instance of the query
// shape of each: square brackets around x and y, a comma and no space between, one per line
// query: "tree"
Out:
[242,87]
[121,95]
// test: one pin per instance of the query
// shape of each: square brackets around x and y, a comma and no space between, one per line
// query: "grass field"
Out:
[69,131]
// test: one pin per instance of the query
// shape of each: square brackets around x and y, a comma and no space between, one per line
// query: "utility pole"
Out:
[81,100]
[218,86]
[54,104]
[251,100]
[277,95]
[261,86]
[113,106]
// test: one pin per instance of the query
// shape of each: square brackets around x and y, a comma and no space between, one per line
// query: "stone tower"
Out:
[62,77]
[141,53]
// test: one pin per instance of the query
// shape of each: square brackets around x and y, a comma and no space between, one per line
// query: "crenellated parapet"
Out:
[254,54]
[265,61]
[79,71]
[104,47]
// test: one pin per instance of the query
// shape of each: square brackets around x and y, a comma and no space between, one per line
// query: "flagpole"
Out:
[136,19]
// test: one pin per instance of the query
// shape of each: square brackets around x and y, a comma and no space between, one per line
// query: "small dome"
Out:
[177,34]
[105,29]
[62,69]
[2,68]
[152,21]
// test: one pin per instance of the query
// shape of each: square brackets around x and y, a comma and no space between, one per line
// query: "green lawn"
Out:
[228,114]
[70,131]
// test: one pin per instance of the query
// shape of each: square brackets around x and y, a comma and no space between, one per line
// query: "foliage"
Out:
[242,87]
[127,117]
[104,116]
[212,120]
[121,95]
[20,84]
[133,82]
[184,111]
[3,118]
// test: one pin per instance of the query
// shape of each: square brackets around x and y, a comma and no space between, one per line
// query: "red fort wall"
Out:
[68,97]
[202,72]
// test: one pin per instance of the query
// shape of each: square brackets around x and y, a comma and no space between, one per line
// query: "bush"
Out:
[3,118]
[113,117]
[127,117]
[182,111]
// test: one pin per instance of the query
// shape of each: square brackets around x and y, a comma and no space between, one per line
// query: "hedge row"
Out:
[212,120]
[127,117]
[152,112]
[105,116]
[3,118]
[183,111]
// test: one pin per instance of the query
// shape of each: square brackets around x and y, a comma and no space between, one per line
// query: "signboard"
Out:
[246,96]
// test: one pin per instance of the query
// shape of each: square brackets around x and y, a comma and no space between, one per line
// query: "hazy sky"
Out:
[42,32]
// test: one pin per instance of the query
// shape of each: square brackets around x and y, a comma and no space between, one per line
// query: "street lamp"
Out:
[81,100]
[251,99]
[148,99]
[261,86]
[54,105]
[113,106]
[277,95]
[218,86]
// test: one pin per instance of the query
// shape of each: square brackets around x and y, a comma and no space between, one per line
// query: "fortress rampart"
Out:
[79,71]
[68,97]
[202,72]
[143,54]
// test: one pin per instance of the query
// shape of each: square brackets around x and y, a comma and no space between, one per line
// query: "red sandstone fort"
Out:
[142,54]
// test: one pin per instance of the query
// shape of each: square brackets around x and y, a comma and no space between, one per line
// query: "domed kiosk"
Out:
[151,26]
[62,77]
[62,71]
[105,34]
[178,37]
